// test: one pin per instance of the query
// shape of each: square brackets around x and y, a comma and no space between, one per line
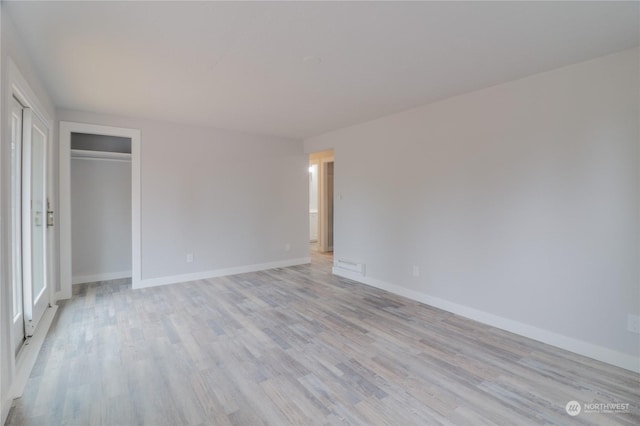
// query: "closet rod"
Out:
[99,155]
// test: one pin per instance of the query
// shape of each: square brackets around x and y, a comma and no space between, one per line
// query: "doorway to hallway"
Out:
[321,197]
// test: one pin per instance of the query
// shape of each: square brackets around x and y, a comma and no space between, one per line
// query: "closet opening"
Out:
[99,205]
[101,220]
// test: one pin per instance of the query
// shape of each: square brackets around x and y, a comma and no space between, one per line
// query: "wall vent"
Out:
[352,267]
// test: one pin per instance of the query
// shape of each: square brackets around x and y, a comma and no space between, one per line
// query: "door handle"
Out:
[49,215]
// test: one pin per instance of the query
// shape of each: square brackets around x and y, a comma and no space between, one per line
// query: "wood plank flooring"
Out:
[298,346]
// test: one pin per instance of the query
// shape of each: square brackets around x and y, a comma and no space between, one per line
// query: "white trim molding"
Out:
[81,279]
[154,282]
[21,89]
[66,128]
[580,347]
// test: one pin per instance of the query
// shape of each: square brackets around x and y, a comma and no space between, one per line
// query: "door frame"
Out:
[323,207]
[14,251]
[66,128]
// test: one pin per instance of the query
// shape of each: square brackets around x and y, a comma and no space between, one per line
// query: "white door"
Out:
[34,220]
[16,224]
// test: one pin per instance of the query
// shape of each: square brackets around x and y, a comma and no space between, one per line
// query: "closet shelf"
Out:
[99,155]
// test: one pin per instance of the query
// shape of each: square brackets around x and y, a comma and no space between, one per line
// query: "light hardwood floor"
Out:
[298,346]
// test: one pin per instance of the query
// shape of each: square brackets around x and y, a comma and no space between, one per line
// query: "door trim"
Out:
[23,92]
[323,207]
[14,250]
[66,128]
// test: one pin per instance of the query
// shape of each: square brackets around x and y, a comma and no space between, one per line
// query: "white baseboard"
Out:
[26,360]
[63,294]
[80,279]
[153,282]
[580,347]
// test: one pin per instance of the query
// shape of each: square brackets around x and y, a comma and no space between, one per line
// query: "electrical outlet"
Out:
[633,323]
[416,271]
[189,257]
[287,247]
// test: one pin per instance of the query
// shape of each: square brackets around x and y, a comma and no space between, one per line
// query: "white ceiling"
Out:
[239,65]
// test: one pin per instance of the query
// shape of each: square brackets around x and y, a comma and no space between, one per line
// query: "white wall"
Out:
[101,218]
[519,203]
[11,47]
[232,199]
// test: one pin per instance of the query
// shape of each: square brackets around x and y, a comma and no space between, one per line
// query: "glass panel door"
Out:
[36,297]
